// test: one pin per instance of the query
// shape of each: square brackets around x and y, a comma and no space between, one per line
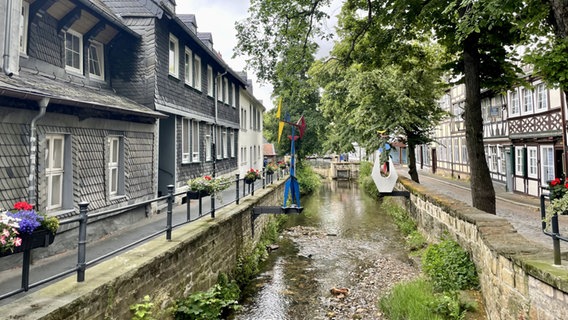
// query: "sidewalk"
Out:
[522,211]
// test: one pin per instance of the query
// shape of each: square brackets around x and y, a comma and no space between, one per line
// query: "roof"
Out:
[150,8]
[36,86]
[268,149]
[102,9]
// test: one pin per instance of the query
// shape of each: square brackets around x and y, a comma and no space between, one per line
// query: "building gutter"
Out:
[33,151]
[7,39]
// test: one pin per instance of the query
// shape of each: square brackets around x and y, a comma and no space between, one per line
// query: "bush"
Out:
[409,301]
[143,310]
[211,304]
[449,267]
[308,180]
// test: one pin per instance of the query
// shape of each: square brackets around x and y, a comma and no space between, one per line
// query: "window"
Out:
[219,82]
[96,61]
[541,97]
[218,144]
[173,56]
[532,162]
[185,141]
[188,67]
[210,89]
[501,161]
[494,156]
[197,72]
[24,19]
[515,107]
[226,90]
[547,161]
[527,100]
[73,51]
[194,141]
[54,170]
[232,143]
[115,166]
[208,145]
[464,158]
[225,144]
[519,161]
[233,95]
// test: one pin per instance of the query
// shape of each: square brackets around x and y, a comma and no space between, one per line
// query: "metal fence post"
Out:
[188,217]
[169,214]
[213,206]
[263,178]
[82,245]
[555,240]
[237,188]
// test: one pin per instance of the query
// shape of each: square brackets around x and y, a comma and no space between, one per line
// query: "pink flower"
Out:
[5,233]
[18,241]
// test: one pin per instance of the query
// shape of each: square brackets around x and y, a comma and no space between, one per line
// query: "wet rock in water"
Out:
[272,247]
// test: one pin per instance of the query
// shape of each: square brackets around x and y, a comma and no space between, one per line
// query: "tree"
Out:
[279,40]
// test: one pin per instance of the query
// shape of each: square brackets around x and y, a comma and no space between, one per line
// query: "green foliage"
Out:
[450,306]
[449,267]
[210,304]
[365,181]
[308,180]
[410,301]
[405,224]
[415,241]
[143,310]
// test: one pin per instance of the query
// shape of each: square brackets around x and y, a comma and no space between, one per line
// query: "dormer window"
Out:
[96,61]
[73,51]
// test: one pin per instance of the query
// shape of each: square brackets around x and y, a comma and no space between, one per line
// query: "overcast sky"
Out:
[219,17]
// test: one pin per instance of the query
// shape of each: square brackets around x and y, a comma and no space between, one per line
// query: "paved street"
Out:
[522,211]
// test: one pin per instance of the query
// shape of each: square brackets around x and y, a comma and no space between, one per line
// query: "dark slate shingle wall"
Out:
[14,164]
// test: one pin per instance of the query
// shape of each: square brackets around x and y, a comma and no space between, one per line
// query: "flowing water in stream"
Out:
[342,240]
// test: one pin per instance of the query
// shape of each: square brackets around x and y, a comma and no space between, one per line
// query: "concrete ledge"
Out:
[165,270]
[517,276]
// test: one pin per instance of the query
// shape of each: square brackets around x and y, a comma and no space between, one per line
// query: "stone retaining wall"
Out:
[165,270]
[517,276]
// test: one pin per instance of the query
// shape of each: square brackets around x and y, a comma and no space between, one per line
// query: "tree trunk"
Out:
[482,191]
[412,157]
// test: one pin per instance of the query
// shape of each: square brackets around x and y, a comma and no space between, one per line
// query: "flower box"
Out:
[39,238]
[249,181]
[197,194]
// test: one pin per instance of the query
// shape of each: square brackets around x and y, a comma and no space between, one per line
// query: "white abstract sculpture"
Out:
[384,184]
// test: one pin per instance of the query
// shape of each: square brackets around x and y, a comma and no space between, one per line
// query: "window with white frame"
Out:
[541,97]
[208,144]
[188,67]
[532,162]
[24,19]
[218,144]
[233,95]
[219,82]
[527,100]
[515,103]
[173,63]
[519,161]
[225,144]
[210,85]
[501,160]
[73,51]
[54,170]
[194,141]
[115,166]
[226,90]
[197,72]
[232,143]
[185,140]
[494,156]
[547,164]
[464,157]
[96,60]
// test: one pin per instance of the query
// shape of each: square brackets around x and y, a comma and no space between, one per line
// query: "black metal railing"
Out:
[84,216]
[554,231]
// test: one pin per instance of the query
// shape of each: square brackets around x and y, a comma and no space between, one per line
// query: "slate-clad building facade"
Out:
[66,136]
[180,74]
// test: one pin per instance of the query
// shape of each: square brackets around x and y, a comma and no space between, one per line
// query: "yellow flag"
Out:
[280,124]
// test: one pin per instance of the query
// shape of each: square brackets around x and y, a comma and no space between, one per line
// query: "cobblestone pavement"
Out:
[522,211]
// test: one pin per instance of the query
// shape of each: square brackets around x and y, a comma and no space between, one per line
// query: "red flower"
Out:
[23,206]
[207,178]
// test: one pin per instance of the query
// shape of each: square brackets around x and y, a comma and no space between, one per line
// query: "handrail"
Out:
[83,218]
[555,229]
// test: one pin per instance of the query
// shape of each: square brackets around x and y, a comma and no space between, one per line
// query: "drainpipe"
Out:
[7,38]
[33,150]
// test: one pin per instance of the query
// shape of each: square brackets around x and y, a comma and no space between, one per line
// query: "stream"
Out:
[334,260]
